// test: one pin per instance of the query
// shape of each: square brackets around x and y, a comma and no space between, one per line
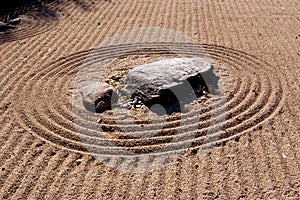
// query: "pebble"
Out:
[99,120]
[135,101]
[284,156]
[126,106]
[155,96]
[113,83]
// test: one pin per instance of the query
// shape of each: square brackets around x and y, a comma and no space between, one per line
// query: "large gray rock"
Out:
[97,96]
[169,80]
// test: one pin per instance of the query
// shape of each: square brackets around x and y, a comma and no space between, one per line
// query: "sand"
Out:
[242,143]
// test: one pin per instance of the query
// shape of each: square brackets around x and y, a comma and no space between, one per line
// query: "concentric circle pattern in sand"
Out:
[34,22]
[253,94]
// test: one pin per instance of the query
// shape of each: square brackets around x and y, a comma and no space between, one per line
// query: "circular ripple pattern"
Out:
[254,94]
[33,23]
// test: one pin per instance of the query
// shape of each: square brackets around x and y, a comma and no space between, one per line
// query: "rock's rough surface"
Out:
[97,96]
[168,80]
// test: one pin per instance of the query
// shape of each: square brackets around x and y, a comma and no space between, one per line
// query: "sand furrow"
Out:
[139,182]
[208,191]
[47,175]
[14,154]
[219,171]
[187,180]
[31,177]
[9,142]
[251,185]
[5,132]
[105,188]
[287,48]
[75,178]
[13,180]
[91,180]
[57,187]
[166,181]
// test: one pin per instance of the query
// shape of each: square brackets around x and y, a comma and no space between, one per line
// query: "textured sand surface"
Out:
[53,149]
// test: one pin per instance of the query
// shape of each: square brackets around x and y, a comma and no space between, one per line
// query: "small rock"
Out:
[126,106]
[30,128]
[284,156]
[113,83]
[97,96]
[154,96]
[99,120]
[135,101]
[138,106]
[203,98]
[115,77]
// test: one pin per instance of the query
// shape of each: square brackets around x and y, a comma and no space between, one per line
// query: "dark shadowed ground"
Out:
[11,9]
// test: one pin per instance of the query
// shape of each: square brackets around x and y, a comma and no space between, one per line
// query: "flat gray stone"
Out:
[167,80]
